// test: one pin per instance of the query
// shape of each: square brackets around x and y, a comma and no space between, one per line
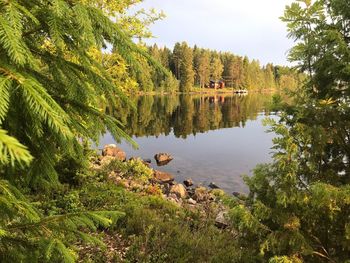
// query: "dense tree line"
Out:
[197,66]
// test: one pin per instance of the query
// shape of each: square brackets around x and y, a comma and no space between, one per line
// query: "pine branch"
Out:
[11,41]
[5,84]
[11,150]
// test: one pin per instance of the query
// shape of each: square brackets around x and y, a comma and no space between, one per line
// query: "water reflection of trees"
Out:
[190,114]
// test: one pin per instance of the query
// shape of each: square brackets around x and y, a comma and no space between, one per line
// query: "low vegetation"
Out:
[149,228]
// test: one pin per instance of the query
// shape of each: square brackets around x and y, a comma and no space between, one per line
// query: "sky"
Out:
[243,27]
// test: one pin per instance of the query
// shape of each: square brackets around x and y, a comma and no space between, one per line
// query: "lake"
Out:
[212,138]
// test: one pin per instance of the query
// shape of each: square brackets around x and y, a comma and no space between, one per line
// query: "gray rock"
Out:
[191,191]
[188,182]
[221,220]
[213,185]
[191,201]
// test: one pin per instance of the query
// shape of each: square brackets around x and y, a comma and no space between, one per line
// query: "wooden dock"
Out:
[240,91]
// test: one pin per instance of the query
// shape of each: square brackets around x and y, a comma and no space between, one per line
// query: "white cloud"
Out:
[244,27]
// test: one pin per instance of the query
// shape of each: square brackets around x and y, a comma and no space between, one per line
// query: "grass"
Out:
[159,231]
[153,229]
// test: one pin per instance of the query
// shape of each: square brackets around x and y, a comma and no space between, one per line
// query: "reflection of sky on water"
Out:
[221,156]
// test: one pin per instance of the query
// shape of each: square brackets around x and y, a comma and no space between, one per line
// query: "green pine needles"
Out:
[52,89]
[53,96]
[26,236]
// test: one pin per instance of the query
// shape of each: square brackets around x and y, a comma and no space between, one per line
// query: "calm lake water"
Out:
[212,138]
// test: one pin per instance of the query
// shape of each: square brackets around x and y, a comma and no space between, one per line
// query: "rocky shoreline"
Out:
[185,194]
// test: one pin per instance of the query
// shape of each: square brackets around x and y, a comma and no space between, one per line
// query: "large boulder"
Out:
[162,158]
[179,190]
[162,177]
[114,151]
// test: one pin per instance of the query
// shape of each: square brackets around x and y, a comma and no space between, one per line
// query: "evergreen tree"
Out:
[176,60]
[269,78]
[165,57]
[53,94]
[186,68]
[235,72]
[246,80]
[256,75]
[196,55]
[216,68]
[203,68]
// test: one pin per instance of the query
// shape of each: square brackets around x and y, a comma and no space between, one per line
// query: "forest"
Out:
[196,67]
[59,203]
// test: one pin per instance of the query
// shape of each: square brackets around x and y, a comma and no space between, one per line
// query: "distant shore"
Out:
[205,91]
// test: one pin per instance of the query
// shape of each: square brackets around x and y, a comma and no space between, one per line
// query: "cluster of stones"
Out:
[185,195]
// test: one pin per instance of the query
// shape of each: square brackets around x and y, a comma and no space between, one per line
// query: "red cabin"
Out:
[216,84]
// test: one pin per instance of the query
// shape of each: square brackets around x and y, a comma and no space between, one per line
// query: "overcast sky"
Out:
[244,27]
